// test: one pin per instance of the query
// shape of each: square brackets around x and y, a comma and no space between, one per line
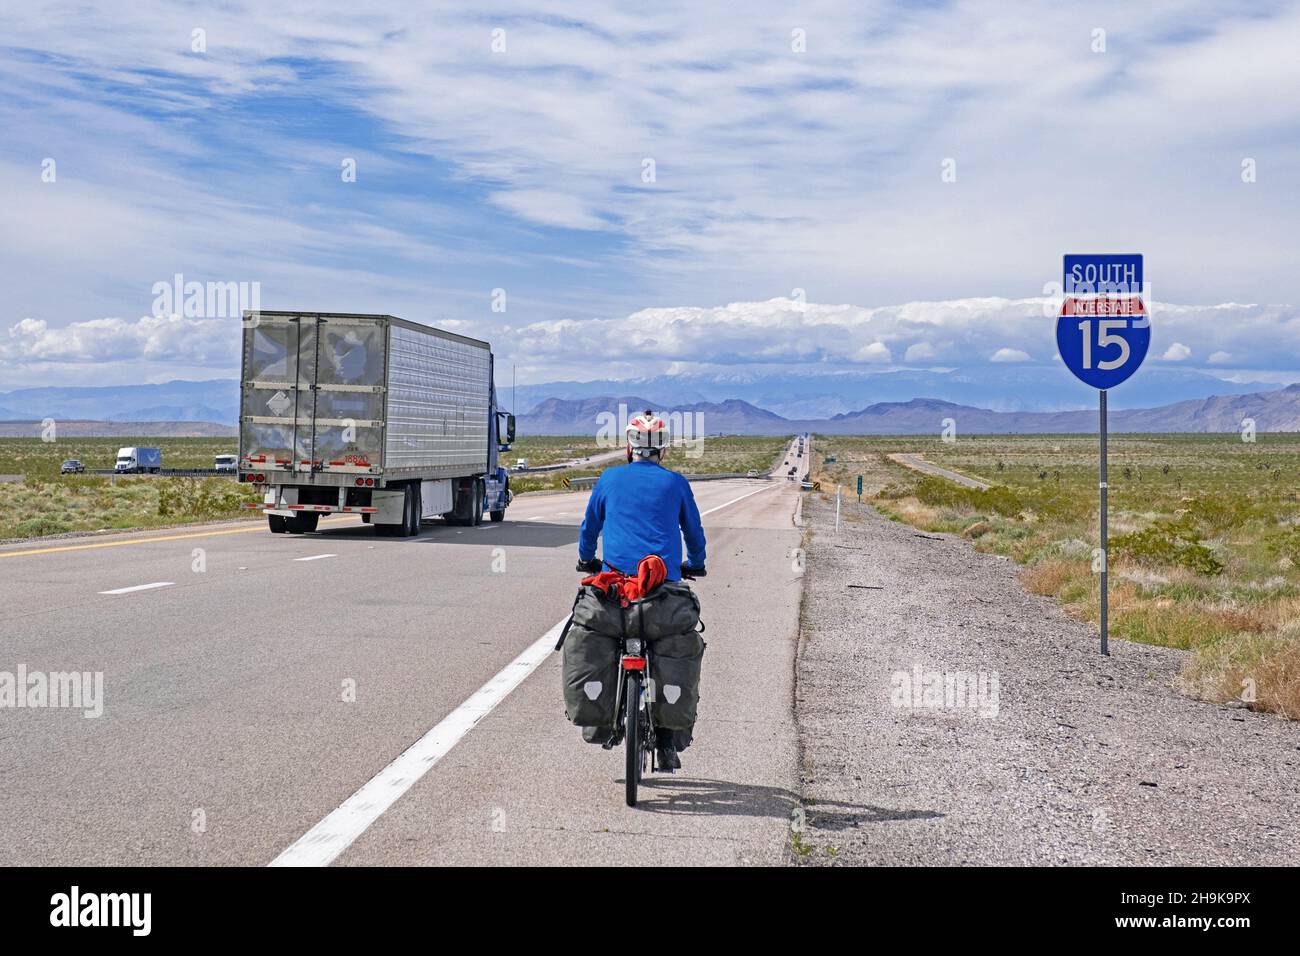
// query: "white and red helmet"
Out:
[647,433]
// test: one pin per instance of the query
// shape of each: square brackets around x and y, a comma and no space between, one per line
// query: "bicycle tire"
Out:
[632,736]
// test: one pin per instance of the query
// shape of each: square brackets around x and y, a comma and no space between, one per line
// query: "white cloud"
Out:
[876,352]
[769,163]
[780,331]
[146,339]
[1176,352]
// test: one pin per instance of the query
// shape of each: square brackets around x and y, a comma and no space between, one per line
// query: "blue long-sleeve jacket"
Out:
[641,509]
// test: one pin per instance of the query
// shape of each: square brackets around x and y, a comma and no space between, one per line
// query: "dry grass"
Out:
[1205,552]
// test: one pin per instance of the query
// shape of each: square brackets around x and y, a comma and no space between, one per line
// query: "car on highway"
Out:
[521,464]
[72,467]
[751,474]
[225,464]
[806,485]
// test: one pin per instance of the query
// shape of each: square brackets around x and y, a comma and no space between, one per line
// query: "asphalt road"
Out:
[267,679]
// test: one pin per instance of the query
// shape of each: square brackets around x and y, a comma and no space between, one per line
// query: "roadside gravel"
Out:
[1088,759]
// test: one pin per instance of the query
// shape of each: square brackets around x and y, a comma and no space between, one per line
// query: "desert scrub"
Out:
[1205,537]
[1173,542]
[45,506]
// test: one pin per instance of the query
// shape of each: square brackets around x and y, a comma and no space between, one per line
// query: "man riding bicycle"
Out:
[641,509]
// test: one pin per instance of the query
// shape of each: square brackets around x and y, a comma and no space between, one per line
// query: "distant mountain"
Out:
[71,428]
[808,393]
[557,416]
[215,404]
[800,394]
[216,400]
[1276,410]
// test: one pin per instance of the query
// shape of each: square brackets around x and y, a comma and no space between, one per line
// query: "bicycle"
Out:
[635,726]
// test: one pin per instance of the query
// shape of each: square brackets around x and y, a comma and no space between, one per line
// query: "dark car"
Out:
[72,467]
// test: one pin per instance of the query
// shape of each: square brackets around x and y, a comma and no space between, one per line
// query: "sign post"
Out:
[859,489]
[1102,335]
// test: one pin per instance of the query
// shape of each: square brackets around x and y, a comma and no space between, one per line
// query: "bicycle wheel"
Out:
[632,736]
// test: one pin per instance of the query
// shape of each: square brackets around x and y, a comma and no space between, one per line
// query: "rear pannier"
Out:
[675,663]
[590,674]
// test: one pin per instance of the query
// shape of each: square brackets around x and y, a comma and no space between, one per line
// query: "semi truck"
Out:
[133,460]
[372,415]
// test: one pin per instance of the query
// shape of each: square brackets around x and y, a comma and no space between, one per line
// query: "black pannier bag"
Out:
[675,663]
[590,674]
[668,619]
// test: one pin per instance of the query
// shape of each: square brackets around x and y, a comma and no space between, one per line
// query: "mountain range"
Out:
[211,407]
[809,393]
[1275,410]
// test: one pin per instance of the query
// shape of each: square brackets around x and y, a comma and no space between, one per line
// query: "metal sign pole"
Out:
[1105,543]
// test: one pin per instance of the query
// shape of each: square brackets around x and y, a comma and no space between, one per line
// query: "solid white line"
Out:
[741,498]
[317,557]
[140,587]
[323,843]
[320,845]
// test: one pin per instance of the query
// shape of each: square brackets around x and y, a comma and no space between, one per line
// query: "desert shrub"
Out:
[940,492]
[41,525]
[1170,542]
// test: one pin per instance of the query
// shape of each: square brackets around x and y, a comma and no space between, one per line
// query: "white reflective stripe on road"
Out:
[322,844]
[140,587]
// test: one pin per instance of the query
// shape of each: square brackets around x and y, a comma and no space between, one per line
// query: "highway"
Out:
[254,683]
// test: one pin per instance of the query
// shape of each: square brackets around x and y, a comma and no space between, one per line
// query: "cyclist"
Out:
[642,508]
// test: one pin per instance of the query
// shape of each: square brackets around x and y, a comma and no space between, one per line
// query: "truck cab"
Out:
[135,460]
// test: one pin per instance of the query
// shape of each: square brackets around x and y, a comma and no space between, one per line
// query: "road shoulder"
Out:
[1088,759]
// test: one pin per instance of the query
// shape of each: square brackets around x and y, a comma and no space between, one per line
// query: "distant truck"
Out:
[225,464]
[370,415]
[134,460]
[521,464]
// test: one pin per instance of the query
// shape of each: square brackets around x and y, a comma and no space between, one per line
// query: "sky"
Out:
[642,188]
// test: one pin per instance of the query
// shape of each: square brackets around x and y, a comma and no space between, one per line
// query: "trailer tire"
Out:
[278,524]
[411,511]
[498,515]
[304,522]
[480,492]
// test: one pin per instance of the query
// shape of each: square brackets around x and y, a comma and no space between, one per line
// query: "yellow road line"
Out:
[118,544]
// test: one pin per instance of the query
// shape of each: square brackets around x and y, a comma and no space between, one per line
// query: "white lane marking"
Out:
[316,557]
[140,587]
[734,500]
[537,518]
[322,844]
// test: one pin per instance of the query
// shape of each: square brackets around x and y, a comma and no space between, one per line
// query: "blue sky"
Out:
[795,147]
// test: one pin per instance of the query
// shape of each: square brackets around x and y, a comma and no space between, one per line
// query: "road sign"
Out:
[859,487]
[1102,335]
[1103,331]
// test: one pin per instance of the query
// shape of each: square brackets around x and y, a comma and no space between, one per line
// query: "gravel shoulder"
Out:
[1088,760]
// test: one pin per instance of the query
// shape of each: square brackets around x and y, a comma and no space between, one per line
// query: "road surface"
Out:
[253,683]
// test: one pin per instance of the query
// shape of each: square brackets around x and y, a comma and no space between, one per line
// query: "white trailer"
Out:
[370,415]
